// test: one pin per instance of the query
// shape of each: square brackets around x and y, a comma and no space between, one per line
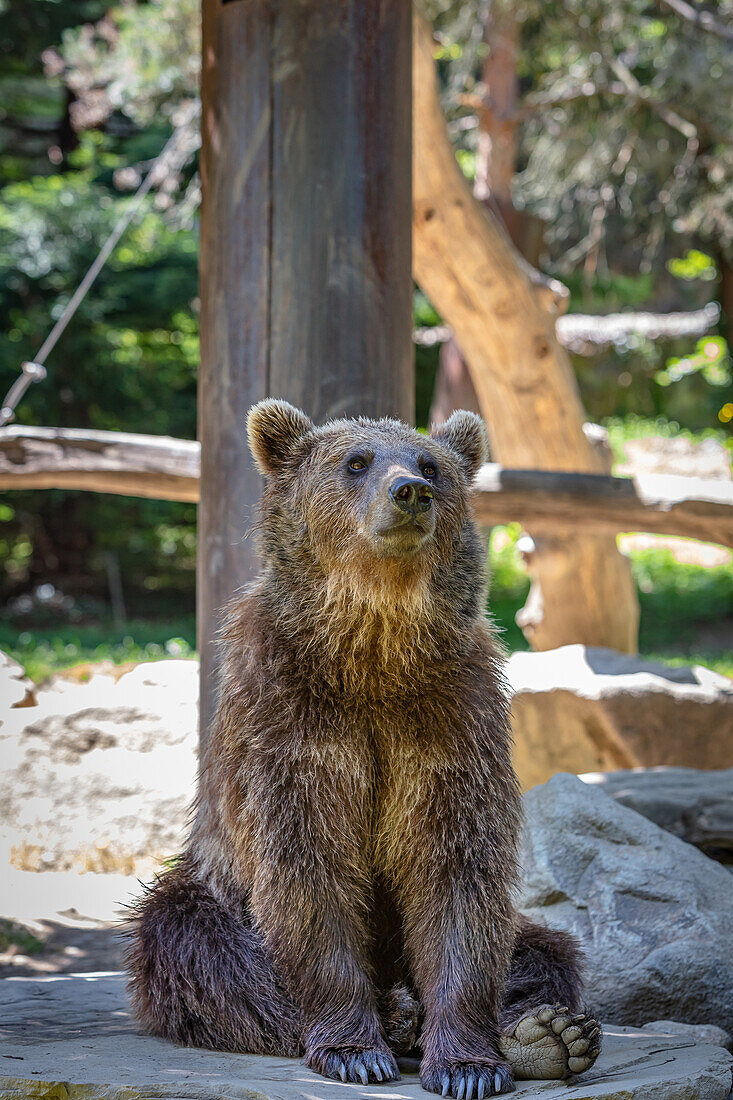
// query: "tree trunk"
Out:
[523,378]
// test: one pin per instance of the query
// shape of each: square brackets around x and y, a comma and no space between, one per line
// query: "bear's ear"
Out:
[464,433]
[274,428]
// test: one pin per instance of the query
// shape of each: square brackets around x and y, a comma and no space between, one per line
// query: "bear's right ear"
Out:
[274,428]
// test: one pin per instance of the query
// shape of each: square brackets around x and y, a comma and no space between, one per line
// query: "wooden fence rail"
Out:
[541,500]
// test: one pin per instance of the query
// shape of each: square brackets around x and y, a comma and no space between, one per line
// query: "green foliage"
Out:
[144,57]
[625,117]
[681,604]
[710,359]
[693,265]
[128,361]
[14,935]
[620,430]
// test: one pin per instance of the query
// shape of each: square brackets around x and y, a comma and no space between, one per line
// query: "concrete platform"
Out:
[71,1038]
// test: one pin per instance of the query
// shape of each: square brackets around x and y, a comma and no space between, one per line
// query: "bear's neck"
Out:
[356,630]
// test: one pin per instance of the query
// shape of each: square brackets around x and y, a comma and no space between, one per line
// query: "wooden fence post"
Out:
[306,286]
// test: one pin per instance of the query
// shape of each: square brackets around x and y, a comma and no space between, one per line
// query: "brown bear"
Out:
[346,892]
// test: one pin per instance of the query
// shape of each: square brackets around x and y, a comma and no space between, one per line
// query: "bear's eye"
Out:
[357,464]
[429,471]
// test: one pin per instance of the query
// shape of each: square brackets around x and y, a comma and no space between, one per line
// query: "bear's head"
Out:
[371,502]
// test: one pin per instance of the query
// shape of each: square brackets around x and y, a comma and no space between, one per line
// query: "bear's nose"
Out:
[411,494]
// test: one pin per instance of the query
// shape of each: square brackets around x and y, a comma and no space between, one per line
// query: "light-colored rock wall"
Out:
[100,776]
[579,709]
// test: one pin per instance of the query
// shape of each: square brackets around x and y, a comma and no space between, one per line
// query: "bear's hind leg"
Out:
[200,977]
[544,1033]
[545,969]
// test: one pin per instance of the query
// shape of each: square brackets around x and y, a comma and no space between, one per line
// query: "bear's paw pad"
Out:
[550,1043]
[469,1080]
[353,1064]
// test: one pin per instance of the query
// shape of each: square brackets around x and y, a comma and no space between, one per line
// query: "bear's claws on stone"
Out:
[355,1066]
[470,1081]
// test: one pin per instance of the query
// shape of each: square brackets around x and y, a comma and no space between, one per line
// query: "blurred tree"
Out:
[625,122]
[129,357]
[623,134]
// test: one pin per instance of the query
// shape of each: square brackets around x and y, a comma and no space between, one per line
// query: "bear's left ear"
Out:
[274,428]
[464,433]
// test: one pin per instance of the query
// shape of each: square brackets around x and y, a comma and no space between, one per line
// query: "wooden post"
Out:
[306,286]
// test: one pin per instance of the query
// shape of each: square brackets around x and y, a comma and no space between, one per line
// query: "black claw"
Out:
[503,1080]
[481,1086]
[470,1085]
[391,1073]
[461,1090]
[445,1083]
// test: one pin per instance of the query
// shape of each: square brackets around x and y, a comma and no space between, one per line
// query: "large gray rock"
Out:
[99,776]
[73,1038]
[582,709]
[694,805]
[653,913]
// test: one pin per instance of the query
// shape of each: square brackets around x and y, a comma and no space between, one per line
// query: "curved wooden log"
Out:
[157,467]
[547,502]
[552,502]
[526,389]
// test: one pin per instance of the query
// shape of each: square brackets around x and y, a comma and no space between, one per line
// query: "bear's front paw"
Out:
[468,1080]
[353,1064]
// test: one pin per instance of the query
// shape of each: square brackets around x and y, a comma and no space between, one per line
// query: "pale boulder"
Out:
[583,709]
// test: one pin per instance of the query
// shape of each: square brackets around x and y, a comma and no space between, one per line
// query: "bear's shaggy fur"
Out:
[348,879]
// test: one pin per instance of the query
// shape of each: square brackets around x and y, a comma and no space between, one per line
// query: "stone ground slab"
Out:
[71,1038]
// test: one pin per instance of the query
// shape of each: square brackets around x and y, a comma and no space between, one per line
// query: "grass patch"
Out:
[686,610]
[15,935]
[621,430]
[45,650]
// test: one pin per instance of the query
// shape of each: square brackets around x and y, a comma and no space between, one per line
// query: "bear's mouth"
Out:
[404,536]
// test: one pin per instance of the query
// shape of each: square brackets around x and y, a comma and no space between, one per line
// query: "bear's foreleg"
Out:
[310,899]
[453,893]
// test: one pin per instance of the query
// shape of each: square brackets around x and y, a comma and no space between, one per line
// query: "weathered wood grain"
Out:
[234,277]
[306,287]
[152,466]
[555,502]
[543,501]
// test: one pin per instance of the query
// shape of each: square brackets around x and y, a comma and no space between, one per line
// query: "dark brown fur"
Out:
[354,851]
